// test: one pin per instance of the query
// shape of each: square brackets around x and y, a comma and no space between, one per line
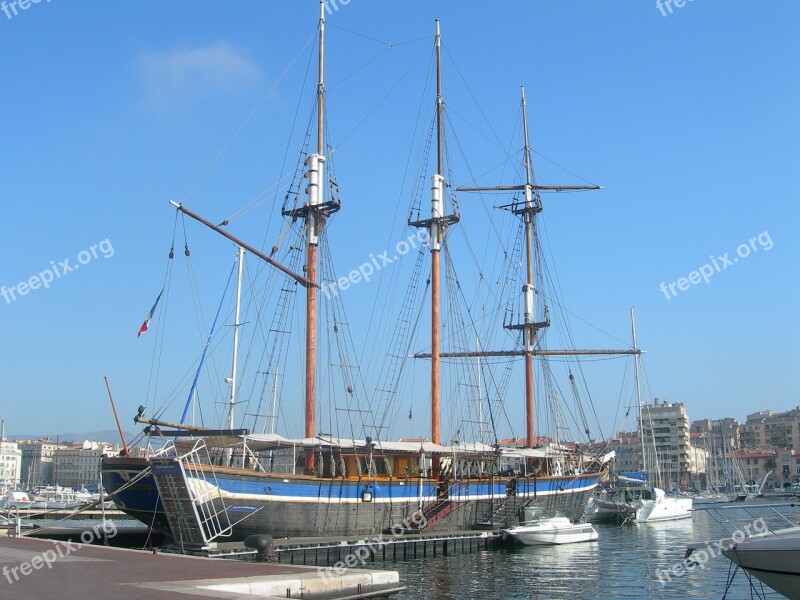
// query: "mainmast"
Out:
[436,226]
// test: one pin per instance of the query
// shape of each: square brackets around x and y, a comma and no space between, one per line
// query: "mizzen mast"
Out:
[528,211]
[530,328]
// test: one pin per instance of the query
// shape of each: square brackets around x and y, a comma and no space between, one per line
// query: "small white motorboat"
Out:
[660,507]
[549,527]
[15,500]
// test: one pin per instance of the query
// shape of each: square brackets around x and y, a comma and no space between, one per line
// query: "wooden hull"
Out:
[303,506]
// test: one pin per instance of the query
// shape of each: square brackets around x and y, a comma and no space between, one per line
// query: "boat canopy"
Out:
[527,453]
[464,450]
[270,441]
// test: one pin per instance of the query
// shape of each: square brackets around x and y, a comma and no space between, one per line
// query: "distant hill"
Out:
[110,436]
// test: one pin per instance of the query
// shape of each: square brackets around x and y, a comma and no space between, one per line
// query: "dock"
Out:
[330,551]
[33,569]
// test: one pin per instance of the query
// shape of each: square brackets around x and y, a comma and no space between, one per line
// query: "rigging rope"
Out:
[247,119]
[208,343]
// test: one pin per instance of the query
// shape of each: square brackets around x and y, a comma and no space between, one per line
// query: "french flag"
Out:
[146,323]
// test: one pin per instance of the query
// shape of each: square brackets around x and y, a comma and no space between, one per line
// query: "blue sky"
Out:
[688,120]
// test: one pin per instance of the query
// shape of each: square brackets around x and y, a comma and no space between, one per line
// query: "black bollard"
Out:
[263,545]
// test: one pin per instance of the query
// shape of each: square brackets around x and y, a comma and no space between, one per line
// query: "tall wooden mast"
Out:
[316,179]
[315,212]
[437,192]
[529,333]
[528,211]
[436,226]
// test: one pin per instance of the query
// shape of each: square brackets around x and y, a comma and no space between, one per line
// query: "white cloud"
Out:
[191,73]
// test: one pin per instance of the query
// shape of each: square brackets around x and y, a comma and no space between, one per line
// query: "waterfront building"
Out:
[37,462]
[787,472]
[665,430]
[78,465]
[776,431]
[627,448]
[666,426]
[718,433]
[756,463]
[10,459]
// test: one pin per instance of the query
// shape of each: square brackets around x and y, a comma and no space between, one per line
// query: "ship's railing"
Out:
[733,517]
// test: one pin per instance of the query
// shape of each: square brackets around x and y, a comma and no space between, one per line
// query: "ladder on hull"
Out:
[191,497]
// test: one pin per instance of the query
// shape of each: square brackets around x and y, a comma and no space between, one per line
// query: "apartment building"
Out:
[10,460]
[768,429]
[756,463]
[718,434]
[78,465]
[787,471]
[666,426]
[37,462]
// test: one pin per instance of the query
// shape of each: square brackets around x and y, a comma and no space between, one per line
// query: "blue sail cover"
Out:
[637,475]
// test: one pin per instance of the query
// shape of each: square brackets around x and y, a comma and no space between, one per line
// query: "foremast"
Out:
[314,213]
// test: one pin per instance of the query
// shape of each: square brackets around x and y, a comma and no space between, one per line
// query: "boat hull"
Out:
[546,534]
[702,500]
[139,497]
[774,558]
[300,506]
[664,509]
[603,511]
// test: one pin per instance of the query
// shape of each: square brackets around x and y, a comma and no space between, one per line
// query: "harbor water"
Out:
[624,563]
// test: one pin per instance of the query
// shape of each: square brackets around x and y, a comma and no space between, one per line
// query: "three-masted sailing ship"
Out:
[337,486]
